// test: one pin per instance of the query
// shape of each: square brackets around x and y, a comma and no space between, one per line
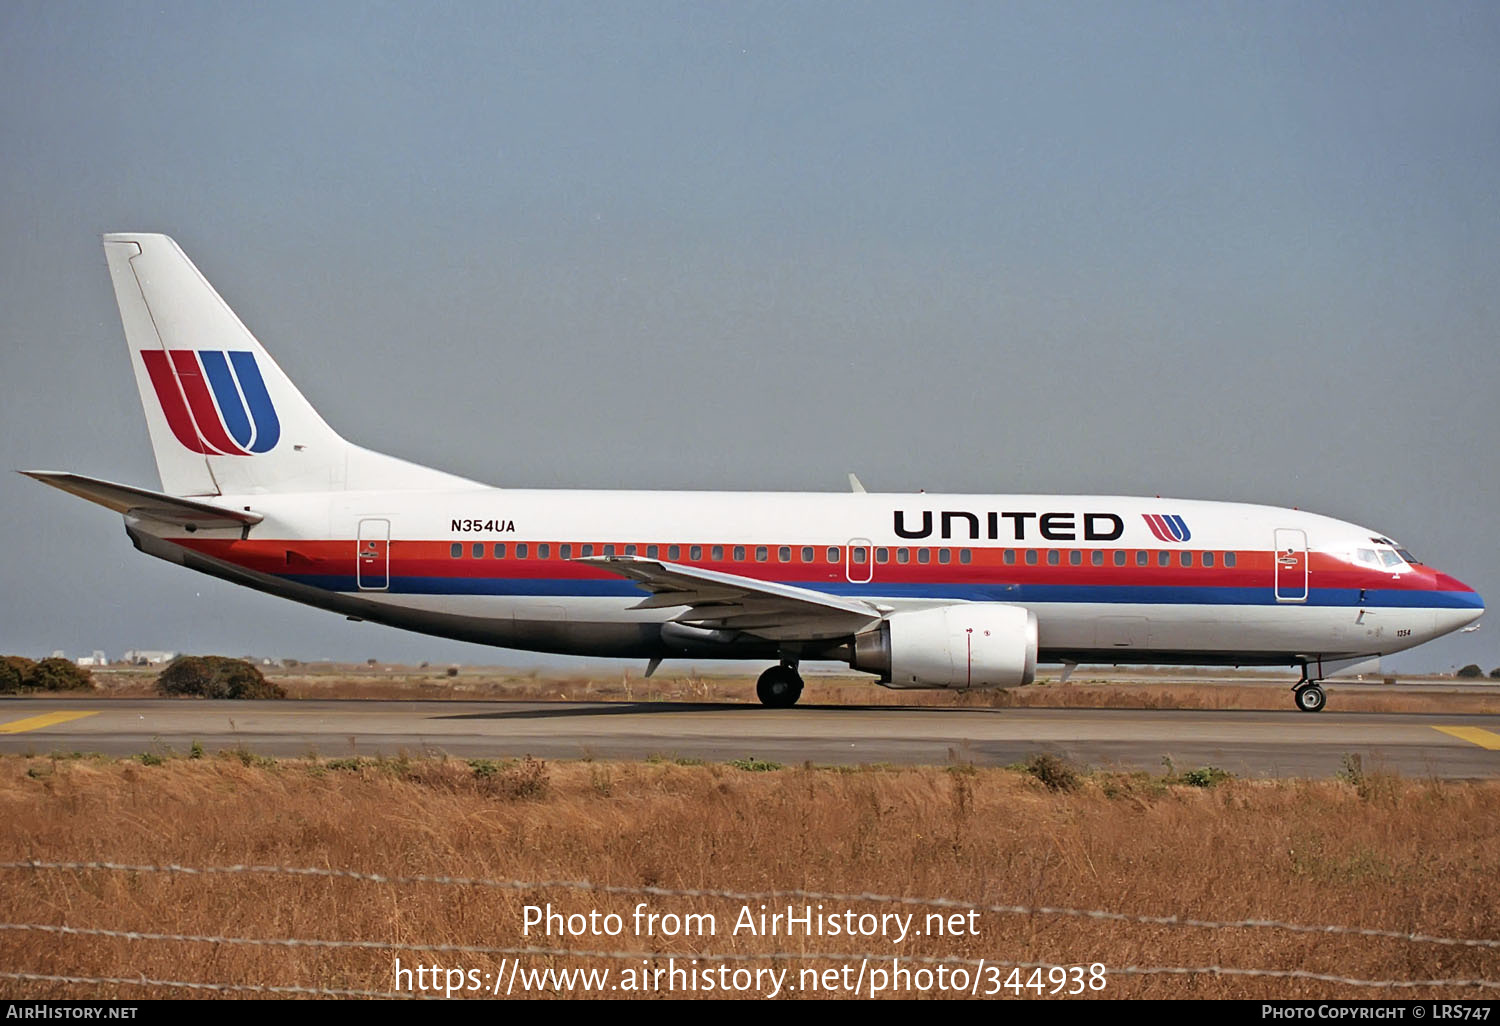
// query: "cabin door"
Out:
[1291,565]
[372,564]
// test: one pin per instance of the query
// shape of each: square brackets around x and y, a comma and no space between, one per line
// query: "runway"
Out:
[1245,743]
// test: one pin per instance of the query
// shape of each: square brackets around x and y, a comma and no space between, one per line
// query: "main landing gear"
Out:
[1309,694]
[780,686]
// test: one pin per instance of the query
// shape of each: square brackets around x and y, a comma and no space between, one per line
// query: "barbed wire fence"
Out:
[514,952]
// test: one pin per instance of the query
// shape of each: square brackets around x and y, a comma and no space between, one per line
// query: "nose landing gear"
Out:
[780,686]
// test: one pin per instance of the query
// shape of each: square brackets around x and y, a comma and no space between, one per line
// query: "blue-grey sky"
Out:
[1231,251]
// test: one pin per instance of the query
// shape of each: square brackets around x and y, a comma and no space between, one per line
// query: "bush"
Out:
[1495,673]
[14,672]
[1472,670]
[751,764]
[1206,776]
[56,674]
[215,677]
[1055,773]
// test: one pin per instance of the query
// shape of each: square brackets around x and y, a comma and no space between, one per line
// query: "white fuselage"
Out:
[1248,584]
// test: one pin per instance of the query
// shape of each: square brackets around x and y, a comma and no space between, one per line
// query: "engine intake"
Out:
[965,645]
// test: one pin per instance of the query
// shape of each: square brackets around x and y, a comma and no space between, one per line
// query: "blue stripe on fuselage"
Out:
[1404,598]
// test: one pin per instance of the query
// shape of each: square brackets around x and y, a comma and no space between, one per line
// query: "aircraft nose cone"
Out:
[1464,604]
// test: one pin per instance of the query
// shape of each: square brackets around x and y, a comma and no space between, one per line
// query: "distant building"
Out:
[97,659]
[147,657]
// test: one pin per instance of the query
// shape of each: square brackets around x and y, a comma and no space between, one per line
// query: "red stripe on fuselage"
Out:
[201,403]
[1252,569]
[169,394]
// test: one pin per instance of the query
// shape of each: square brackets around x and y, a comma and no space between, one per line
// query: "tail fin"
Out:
[223,417]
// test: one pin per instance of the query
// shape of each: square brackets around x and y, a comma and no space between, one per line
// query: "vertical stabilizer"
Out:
[223,417]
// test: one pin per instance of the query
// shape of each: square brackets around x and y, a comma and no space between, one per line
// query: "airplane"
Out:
[921,590]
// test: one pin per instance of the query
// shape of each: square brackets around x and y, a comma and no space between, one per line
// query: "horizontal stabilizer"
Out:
[146,504]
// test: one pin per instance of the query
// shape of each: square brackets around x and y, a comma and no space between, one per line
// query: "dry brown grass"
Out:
[1370,851]
[1165,689]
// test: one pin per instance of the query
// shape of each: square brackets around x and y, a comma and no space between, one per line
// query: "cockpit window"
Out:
[1413,560]
[1382,557]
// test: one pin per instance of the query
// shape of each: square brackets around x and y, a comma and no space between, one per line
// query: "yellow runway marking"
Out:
[1474,735]
[49,719]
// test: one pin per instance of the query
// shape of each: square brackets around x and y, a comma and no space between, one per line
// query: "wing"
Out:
[719,601]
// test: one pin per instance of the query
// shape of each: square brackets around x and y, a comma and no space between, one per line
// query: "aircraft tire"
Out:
[1311,698]
[779,687]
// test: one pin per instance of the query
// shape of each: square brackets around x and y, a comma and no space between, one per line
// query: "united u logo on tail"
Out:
[1168,528]
[215,402]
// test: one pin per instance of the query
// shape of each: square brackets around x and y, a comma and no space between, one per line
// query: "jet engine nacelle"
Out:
[965,645]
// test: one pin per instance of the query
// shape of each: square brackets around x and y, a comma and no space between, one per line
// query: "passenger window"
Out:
[1208,559]
[965,556]
[630,550]
[882,555]
[456,550]
[1119,557]
[1163,558]
[521,550]
[1010,556]
[1097,558]
[833,554]
[544,551]
[924,556]
[903,555]
[1075,557]
[1229,559]
[945,555]
[739,553]
[1053,558]
[807,554]
[653,551]
[717,552]
[859,554]
[674,552]
[609,550]
[784,554]
[1140,557]
[1187,559]
[1031,557]
[585,550]
[477,551]
[565,551]
[695,553]
[761,554]
[499,551]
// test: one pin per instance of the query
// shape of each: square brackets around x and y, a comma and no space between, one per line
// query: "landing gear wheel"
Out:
[1310,698]
[779,687]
